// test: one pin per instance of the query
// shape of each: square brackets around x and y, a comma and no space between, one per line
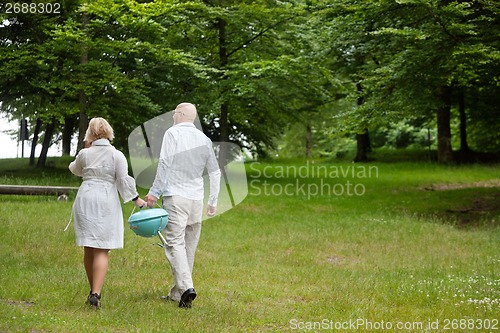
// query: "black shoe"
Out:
[95,300]
[187,298]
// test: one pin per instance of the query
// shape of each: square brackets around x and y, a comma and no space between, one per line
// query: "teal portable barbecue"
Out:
[149,223]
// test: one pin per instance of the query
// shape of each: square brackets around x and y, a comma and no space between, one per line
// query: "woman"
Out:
[97,210]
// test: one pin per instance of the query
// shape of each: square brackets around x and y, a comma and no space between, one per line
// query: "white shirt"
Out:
[185,153]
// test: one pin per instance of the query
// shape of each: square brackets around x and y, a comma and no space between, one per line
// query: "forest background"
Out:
[292,78]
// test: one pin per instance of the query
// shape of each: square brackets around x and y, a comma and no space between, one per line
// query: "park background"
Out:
[410,87]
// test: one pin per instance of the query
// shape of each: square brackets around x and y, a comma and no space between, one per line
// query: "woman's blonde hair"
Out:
[99,128]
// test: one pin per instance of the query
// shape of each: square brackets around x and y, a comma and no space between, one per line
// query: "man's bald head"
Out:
[187,112]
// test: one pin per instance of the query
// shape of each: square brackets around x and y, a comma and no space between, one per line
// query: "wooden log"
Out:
[36,190]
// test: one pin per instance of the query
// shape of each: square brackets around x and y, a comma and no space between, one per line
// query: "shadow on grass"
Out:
[477,210]
[483,211]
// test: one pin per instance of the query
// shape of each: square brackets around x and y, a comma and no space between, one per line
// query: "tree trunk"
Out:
[35,140]
[464,146]
[82,97]
[83,121]
[362,139]
[308,139]
[223,61]
[363,147]
[49,131]
[223,123]
[69,124]
[445,152]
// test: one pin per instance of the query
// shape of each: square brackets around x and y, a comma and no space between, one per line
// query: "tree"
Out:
[260,76]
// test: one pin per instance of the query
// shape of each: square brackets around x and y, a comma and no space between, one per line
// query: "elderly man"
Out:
[185,153]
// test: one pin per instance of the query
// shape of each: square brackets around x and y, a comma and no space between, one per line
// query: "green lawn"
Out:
[414,247]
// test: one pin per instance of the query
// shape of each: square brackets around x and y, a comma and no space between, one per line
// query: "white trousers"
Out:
[182,235]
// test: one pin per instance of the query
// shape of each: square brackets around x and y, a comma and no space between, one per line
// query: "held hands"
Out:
[140,203]
[151,200]
[211,210]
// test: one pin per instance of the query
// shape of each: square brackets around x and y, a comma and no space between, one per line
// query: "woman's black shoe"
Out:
[94,300]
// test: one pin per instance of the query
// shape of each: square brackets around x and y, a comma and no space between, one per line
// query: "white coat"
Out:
[97,212]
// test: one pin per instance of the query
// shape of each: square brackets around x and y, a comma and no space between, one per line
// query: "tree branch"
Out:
[262,32]
[440,22]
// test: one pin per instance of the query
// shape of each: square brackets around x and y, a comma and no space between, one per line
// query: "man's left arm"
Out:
[214,176]
[165,160]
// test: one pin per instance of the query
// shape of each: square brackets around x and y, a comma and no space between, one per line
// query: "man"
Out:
[185,153]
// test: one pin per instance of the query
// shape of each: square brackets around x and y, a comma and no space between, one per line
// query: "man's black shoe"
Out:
[187,298]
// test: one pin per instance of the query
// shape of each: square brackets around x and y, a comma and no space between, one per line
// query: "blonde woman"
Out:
[97,210]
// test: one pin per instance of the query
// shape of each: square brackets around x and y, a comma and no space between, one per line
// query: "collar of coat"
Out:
[101,142]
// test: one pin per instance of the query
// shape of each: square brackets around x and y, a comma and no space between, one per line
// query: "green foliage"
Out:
[133,60]
[261,64]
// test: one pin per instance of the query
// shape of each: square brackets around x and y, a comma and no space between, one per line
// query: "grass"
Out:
[408,251]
